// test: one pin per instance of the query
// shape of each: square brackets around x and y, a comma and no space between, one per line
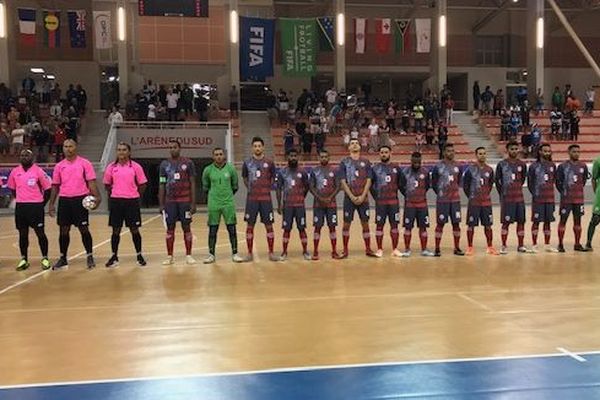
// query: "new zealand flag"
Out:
[77,27]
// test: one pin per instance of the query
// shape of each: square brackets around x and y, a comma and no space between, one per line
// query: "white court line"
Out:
[296,369]
[471,300]
[38,274]
[571,354]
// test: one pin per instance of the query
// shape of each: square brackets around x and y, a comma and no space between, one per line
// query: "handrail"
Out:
[109,147]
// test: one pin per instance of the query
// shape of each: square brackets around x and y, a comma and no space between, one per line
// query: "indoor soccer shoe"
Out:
[169,261]
[396,253]
[90,262]
[379,253]
[236,258]
[426,253]
[61,264]
[561,249]
[306,256]
[550,249]
[492,251]
[23,265]
[46,264]
[141,261]
[470,251]
[579,248]
[209,260]
[458,252]
[273,257]
[315,257]
[113,262]
[189,260]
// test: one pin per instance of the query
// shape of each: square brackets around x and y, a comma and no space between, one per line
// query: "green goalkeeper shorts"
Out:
[597,202]
[228,213]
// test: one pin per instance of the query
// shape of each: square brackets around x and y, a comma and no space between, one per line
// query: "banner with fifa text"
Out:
[102,29]
[299,46]
[257,48]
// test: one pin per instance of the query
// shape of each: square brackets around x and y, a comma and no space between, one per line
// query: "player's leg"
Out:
[23,248]
[443,210]
[213,221]
[505,216]
[43,244]
[410,215]
[250,215]
[318,222]
[578,211]
[363,214]
[230,217]
[115,221]
[473,216]
[348,216]
[380,217]
[81,219]
[536,218]
[520,217]
[64,221]
[171,212]
[266,217]
[133,220]
[394,217]
[185,217]
[300,217]
[487,220]
[592,230]
[565,210]
[423,224]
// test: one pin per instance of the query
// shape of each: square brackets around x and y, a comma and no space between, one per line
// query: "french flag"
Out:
[27,26]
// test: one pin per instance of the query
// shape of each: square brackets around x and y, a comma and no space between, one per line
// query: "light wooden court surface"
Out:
[168,321]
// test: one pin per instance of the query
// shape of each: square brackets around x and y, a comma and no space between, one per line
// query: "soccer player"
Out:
[478,181]
[73,179]
[220,181]
[355,178]
[596,212]
[177,199]
[259,176]
[292,187]
[414,184]
[540,182]
[446,181]
[125,182]
[385,177]
[571,177]
[324,185]
[29,184]
[510,177]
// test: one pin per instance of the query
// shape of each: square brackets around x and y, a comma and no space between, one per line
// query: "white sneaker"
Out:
[169,261]
[406,253]
[236,258]
[396,253]
[427,253]
[534,249]
[190,260]
[307,256]
[208,260]
[550,249]
[379,253]
[524,250]
[503,250]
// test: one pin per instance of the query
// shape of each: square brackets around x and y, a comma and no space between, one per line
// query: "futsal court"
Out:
[520,326]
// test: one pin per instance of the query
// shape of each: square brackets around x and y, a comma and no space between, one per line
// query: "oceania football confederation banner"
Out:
[299,46]
[102,30]
[257,43]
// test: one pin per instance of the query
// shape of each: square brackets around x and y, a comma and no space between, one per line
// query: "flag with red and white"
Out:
[383,35]
[27,26]
[360,33]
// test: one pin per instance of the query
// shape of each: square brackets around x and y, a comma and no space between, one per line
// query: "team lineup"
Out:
[73,187]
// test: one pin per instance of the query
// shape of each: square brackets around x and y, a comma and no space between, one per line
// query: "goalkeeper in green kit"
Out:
[596,211]
[220,181]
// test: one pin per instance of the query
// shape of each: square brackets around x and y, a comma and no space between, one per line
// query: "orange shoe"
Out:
[470,251]
[492,251]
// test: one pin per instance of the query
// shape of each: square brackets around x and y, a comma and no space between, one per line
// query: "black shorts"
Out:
[124,210]
[448,212]
[542,212]
[291,214]
[321,215]
[71,212]
[178,212]
[350,207]
[264,208]
[577,209]
[480,214]
[29,215]
[513,212]
[421,215]
[391,212]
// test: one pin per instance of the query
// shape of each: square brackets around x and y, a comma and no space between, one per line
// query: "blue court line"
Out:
[551,377]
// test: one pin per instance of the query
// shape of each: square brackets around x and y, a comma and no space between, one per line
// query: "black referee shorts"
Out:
[71,212]
[29,215]
[124,211]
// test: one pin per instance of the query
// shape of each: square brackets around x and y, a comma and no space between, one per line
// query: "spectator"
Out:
[590,96]
[504,125]
[568,92]
[59,138]
[187,99]
[284,105]
[557,99]
[539,103]
[442,139]
[162,95]
[55,109]
[4,140]
[384,134]
[476,96]
[172,104]
[81,99]
[13,118]
[40,138]
[201,104]
[536,139]
[555,122]
[115,117]
[151,112]
[419,115]
[521,95]
[449,108]
[429,132]
[18,137]
[487,97]
[331,97]
[574,126]
[499,102]
[373,135]
[71,95]
[525,113]
[405,120]
[289,136]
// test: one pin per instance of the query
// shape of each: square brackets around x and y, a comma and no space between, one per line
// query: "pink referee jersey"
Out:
[124,179]
[30,185]
[73,176]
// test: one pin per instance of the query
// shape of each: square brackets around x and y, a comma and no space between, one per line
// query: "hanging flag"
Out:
[383,35]
[326,34]
[52,29]
[27,26]
[257,44]
[423,32]
[102,29]
[360,33]
[401,34]
[77,26]
[298,46]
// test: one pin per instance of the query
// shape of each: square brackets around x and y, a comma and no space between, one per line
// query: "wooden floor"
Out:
[168,321]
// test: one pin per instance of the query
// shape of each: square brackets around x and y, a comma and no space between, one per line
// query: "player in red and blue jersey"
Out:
[355,178]
[541,179]
[414,184]
[324,185]
[292,187]
[478,181]
[446,181]
[510,177]
[259,176]
[571,177]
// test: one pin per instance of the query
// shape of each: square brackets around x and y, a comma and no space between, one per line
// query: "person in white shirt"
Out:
[590,96]
[172,101]
[320,110]
[55,109]
[115,117]
[373,135]
[331,96]
[151,112]
[18,135]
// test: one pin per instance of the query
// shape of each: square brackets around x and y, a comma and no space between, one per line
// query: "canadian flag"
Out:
[360,33]
[383,35]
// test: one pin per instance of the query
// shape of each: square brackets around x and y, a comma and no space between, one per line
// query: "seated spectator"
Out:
[18,138]
[590,96]
[384,134]
[4,140]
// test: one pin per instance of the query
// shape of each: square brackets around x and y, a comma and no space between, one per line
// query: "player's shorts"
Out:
[227,211]
[577,209]
[29,215]
[350,208]
[178,212]
[254,208]
[322,215]
[391,212]
[542,212]
[480,215]
[513,212]
[124,211]
[71,212]
[421,215]
[291,214]
[448,212]
[597,203]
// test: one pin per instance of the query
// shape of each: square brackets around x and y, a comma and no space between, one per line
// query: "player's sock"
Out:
[115,239]
[470,234]
[250,238]
[535,227]
[456,232]
[423,237]
[333,238]
[270,238]
[136,237]
[395,236]
[378,237]
[366,237]
[547,232]
[489,235]
[521,234]
[304,241]
[504,233]
[63,243]
[24,242]
[233,240]
[286,241]
[592,228]
[577,232]
[438,236]
[346,238]
[407,238]
[212,238]
[561,234]
[86,238]
[42,241]
[170,241]
[316,240]
[188,238]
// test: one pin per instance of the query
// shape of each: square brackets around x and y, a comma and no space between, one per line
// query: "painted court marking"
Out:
[571,354]
[475,302]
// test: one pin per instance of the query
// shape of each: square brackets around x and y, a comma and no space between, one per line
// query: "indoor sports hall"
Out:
[168,82]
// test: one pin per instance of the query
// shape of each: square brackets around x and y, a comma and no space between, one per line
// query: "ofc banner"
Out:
[257,43]
[299,46]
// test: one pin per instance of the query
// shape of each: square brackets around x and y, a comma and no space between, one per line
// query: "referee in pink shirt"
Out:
[28,184]
[125,183]
[73,179]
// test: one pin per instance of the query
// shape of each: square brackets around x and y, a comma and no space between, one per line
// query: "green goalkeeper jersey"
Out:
[221,185]
[596,180]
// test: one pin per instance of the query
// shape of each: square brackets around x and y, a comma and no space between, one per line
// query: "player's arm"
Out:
[466,178]
[499,179]
[586,174]
[559,181]
[245,174]
[52,201]
[162,181]
[279,192]
[192,168]
[206,180]
[434,178]
[524,175]
[234,180]
[365,193]
[141,180]
[306,184]
[402,183]
[95,192]
[312,186]
[531,180]
[595,174]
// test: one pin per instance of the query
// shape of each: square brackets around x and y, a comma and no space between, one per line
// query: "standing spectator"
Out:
[172,104]
[289,136]
[557,99]
[391,116]
[151,112]
[201,105]
[384,134]
[45,91]
[429,132]
[233,102]
[555,122]
[539,102]
[284,105]
[4,140]
[504,125]
[115,117]
[81,99]
[525,113]
[373,135]
[59,139]
[4,97]
[574,126]
[419,115]
[405,120]
[187,99]
[590,96]
[449,107]
[331,97]
[13,118]
[162,94]
[487,97]
[566,126]
[442,138]
[307,139]
[445,93]
[18,136]
[521,95]
[499,102]
[71,95]
[40,138]
[476,96]
[568,93]
[55,110]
